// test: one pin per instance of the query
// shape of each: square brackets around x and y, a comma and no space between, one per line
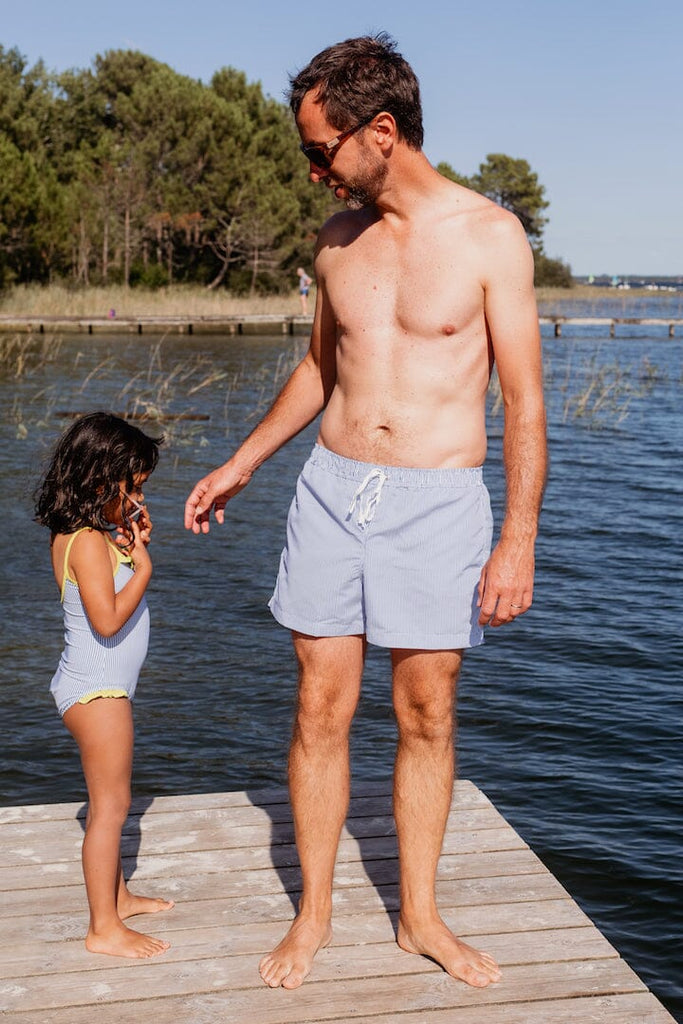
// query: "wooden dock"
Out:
[611,323]
[229,862]
[224,323]
[266,323]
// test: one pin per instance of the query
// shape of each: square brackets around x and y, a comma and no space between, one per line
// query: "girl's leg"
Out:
[129,905]
[103,730]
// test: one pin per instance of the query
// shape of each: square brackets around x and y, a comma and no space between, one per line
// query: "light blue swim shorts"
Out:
[389,552]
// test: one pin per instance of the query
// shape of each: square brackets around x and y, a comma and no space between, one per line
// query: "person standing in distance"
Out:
[421,285]
[305,283]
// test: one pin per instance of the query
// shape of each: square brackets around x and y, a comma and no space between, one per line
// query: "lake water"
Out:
[569,719]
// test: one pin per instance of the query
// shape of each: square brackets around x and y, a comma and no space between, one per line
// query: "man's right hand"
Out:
[213,492]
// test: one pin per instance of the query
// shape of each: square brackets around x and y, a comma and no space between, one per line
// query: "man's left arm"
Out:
[507,580]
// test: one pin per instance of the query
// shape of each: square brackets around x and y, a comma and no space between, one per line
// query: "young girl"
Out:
[91,499]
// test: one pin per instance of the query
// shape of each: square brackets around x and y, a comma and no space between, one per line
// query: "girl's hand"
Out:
[146,526]
[125,539]
[137,548]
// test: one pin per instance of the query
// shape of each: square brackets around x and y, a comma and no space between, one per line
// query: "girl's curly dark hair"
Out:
[89,462]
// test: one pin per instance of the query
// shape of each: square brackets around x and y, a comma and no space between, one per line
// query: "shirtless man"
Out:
[421,284]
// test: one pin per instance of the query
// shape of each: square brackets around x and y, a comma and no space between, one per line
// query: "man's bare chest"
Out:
[415,292]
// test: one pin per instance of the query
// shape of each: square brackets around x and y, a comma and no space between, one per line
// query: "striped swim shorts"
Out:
[390,552]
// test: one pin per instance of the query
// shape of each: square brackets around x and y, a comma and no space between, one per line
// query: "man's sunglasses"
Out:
[323,153]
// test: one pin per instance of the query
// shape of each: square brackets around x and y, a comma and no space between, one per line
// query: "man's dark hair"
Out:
[358,78]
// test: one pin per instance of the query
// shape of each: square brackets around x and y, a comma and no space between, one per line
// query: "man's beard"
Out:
[366,187]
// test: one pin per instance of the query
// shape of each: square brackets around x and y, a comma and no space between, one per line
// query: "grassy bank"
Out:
[586,300]
[182,300]
[179,300]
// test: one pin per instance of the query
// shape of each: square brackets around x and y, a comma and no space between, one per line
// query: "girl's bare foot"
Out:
[122,941]
[456,957]
[129,905]
[291,961]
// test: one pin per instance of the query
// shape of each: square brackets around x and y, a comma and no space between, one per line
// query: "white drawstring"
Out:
[366,513]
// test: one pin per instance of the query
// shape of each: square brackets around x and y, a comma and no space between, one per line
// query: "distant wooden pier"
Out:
[612,322]
[224,323]
[229,861]
[266,323]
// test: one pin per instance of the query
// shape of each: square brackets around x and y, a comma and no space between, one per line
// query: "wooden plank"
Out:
[180,927]
[364,794]
[237,827]
[634,1008]
[260,892]
[49,846]
[205,862]
[520,945]
[188,995]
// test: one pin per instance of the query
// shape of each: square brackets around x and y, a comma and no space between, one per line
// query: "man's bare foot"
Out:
[129,905]
[291,961]
[122,941]
[457,958]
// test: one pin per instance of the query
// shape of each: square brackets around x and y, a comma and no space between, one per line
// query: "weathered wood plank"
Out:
[206,862]
[241,820]
[465,793]
[241,892]
[46,848]
[367,799]
[633,1008]
[334,997]
[181,927]
[252,941]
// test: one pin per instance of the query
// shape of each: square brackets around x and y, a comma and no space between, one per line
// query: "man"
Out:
[421,285]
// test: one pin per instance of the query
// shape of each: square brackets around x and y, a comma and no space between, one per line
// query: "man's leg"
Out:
[424,699]
[330,671]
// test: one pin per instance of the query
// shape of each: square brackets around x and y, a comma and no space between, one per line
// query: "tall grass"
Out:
[20,354]
[587,300]
[592,393]
[158,392]
[163,391]
[178,300]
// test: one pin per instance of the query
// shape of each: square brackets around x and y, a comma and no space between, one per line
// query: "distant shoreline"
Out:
[193,303]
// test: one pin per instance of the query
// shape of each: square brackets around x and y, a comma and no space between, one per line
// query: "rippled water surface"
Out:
[570,719]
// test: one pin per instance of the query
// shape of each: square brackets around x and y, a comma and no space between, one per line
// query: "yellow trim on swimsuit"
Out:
[121,559]
[102,693]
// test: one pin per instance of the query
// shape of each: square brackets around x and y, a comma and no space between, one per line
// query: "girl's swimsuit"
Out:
[92,665]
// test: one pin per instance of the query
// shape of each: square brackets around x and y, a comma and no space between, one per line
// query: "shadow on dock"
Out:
[376,845]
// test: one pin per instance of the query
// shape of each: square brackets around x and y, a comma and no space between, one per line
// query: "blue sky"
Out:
[588,92]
